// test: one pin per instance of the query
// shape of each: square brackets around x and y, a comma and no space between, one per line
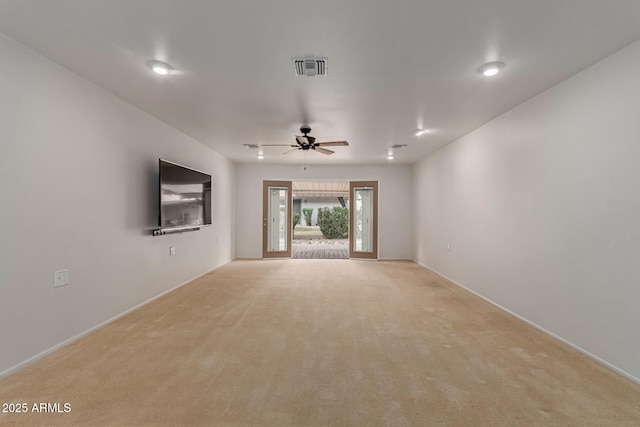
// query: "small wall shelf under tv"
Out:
[162,232]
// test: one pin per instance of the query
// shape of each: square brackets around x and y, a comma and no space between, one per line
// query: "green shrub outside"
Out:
[321,212]
[296,220]
[308,213]
[335,223]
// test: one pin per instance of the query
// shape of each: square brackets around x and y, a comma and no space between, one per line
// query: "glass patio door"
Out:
[363,219]
[276,219]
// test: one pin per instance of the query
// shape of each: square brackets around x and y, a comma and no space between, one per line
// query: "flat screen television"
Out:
[185,197]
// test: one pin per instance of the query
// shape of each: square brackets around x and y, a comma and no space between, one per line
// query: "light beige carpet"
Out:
[321,343]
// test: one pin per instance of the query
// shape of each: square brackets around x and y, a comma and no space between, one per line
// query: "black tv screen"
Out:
[185,197]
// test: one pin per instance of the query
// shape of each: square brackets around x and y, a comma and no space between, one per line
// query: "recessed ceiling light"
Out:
[159,67]
[390,157]
[421,132]
[491,69]
[260,156]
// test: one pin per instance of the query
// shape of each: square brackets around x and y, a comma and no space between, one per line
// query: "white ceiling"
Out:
[394,66]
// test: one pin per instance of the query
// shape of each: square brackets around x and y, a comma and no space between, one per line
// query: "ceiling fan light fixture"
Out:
[159,67]
[491,69]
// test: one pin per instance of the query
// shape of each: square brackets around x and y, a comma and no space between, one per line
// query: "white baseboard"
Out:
[66,342]
[590,355]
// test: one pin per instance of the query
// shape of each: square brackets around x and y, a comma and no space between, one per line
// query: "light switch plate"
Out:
[172,250]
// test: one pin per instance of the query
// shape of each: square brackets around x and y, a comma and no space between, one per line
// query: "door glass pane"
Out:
[278,229]
[363,219]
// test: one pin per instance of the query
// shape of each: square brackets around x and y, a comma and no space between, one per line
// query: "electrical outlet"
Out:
[60,278]
[172,250]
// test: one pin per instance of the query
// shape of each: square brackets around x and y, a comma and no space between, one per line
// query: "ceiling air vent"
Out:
[396,146]
[310,66]
[252,146]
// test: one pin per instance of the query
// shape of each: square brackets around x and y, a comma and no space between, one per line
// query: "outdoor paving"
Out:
[319,250]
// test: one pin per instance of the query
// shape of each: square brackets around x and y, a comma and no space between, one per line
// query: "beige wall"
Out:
[394,234]
[541,208]
[79,186]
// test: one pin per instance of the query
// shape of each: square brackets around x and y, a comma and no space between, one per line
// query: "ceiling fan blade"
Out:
[323,150]
[334,143]
[293,149]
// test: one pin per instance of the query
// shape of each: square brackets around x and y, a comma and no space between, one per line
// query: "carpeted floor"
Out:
[321,343]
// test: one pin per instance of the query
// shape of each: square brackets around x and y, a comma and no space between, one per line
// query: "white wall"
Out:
[542,209]
[78,179]
[394,204]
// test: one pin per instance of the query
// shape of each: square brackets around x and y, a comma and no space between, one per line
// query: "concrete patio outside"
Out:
[309,243]
[320,249]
